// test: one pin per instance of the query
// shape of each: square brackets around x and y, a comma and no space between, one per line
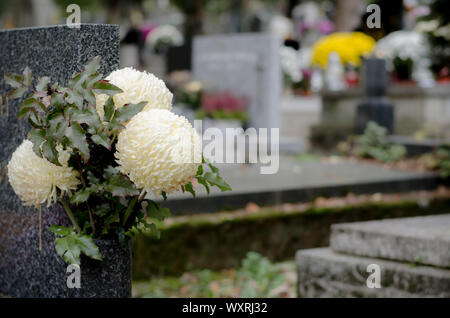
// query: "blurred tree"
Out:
[348,15]
[194,13]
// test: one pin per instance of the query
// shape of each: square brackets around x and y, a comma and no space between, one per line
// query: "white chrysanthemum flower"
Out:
[159,151]
[35,179]
[137,87]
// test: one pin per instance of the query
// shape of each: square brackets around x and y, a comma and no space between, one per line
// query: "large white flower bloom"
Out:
[290,64]
[159,151]
[35,179]
[403,44]
[137,87]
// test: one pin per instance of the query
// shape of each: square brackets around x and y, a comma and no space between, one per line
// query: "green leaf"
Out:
[101,139]
[67,248]
[86,116]
[49,151]
[74,97]
[189,188]
[33,122]
[57,124]
[126,112]
[114,126]
[104,87]
[92,79]
[213,168]
[120,185]
[37,137]
[89,96]
[92,179]
[57,100]
[164,195]
[42,83]
[69,245]
[199,170]
[203,182]
[24,111]
[80,196]
[60,230]
[216,180]
[154,210]
[77,139]
[76,81]
[92,66]
[109,109]
[109,172]
[18,92]
[29,102]
[87,246]
[14,80]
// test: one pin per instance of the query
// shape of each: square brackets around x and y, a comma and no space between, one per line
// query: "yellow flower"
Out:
[35,179]
[159,151]
[137,87]
[349,46]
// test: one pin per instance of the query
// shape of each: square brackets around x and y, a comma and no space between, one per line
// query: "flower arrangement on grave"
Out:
[101,148]
[290,65]
[191,94]
[350,46]
[163,37]
[436,27]
[405,52]
[223,106]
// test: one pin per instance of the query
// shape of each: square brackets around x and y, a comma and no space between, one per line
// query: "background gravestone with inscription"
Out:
[57,52]
[244,65]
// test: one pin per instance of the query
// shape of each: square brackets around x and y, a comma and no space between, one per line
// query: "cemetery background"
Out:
[253,63]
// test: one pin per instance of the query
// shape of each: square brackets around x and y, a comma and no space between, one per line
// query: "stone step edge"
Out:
[324,273]
[238,200]
[347,239]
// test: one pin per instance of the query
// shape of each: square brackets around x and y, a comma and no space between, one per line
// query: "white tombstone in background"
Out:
[244,65]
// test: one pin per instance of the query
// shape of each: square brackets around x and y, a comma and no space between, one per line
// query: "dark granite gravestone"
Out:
[375,107]
[57,52]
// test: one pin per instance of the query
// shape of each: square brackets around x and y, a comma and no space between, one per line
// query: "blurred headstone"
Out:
[375,107]
[246,65]
[57,52]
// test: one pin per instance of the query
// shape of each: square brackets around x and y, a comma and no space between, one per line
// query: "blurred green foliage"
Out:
[374,144]
[257,277]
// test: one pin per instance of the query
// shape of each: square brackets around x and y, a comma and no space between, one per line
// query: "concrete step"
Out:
[424,240]
[324,273]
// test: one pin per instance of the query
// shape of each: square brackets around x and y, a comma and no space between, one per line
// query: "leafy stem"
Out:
[129,210]
[70,214]
[91,217]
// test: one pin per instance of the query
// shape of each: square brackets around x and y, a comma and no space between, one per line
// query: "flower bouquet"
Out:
[222,110]
[349,46]
[103,149]
[405,53]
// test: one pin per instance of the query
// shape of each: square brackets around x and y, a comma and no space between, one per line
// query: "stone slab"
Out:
[323,273]
[57,52]
[416,147]
[298,181]
[424,240]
